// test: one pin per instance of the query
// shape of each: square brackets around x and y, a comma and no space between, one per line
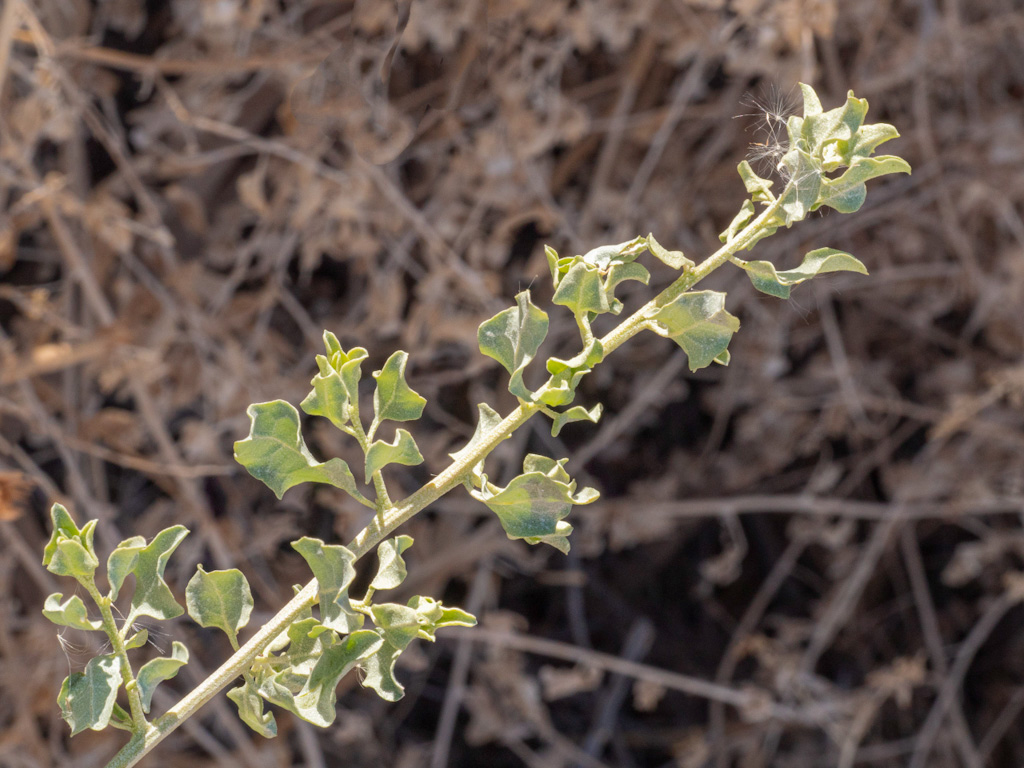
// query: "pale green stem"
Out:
[394,515]
[139,723]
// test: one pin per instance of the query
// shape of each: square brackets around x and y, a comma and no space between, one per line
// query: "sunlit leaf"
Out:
[401,450]
[137,640]
[335,393]
[394,399]
[87,698]
[152,596]
[122,561]
[70,613]
[846,194]
[317,699]
[398,624]
[391,567]
[512,337]
[220,599]
[379,672]
[155,671]
[582,291]
[331,564]
[433,616]
[766,279]
[487,420]
[70,550]
[576,413]
[275,453]
[698,322]
[760,189]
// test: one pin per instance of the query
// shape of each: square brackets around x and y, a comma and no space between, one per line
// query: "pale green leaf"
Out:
[739,221]
[64,527]
[394,400]
[275,453]
[220,599]
[379,672]
[604,257]
[391,567]
[582,291]
[433,616]
[576,413]
[401,450]
[846,194]
[512,337]
[398,624]
[674,259]
[87,698]
[70,613]
[122,562]
[335,393]
[155,671]
[532,505]
[316,701]
[70,550]
[487,420]
[152,595]
[698,322]
[332,565]
[767,280]
[137,640]
[760,189]
[250,709]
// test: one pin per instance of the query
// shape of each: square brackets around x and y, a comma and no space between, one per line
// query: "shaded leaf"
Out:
[512,337]
[70,613]
[152,595]
[401,450]
[155,671]
[698,322]
[137,640]
[220,599]
[87,698]
[275,453]
[332,565]
[379,672]
[391,567]
[767,280]
[394,400]
[576,413]
[250,709]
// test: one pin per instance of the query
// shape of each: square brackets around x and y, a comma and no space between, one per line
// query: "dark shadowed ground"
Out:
[811,558]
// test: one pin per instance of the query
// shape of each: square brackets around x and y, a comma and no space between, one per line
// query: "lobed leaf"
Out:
[582,291]
[70,613]
[391,570]
[512,337]
[220,599]
[532,505]
[576,413]
[250,709]
[698,322]
[87,698]
[767,280]
[335,393]
[152,595]
[760,189]
[275,453]
[332,565]
[155,671]
[137,640]
[605,257]
[402,450]
[487,420]
[846,194]
[433,616]
[70,550]
[379,672]
[316,701]
[394,399]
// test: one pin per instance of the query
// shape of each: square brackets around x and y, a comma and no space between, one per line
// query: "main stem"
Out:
[397,514]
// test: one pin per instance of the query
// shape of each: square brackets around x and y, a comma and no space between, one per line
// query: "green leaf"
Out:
[433,616]
[801,196]
[812,105]
[674,259]
[576,413]
[767,280]
[512,337]
[331,564]
[699,323]
[402,450]
[558,265]
[487,420]
[398,624]
[335,393]
[619,273]
[582,291]
[316,702]
[70,613]
[122,561]
[87,698]
[70,550]
[219,599]
[760,189]
[152,595]
[137,640]
[379,672]
[275,453]
[391,567]
[155,671]
[739,222]
[532,505]
[250,709]
[393,399]
[847,193]
[604,257]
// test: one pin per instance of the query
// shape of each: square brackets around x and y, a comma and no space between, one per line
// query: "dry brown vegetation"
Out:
[811,558]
